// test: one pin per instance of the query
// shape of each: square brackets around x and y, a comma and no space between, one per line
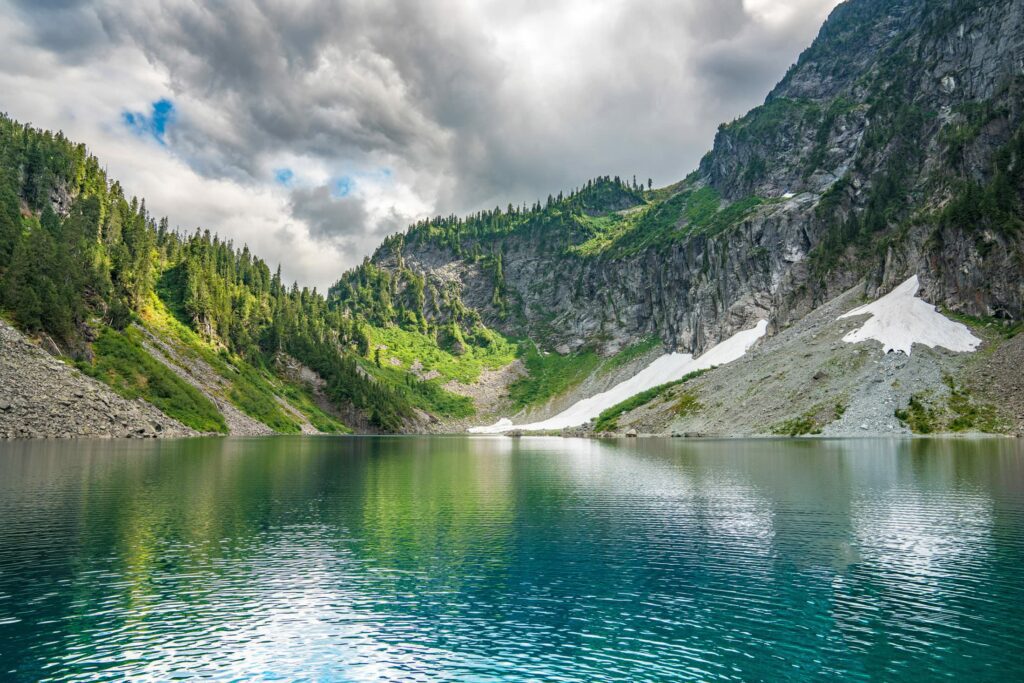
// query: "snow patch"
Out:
[504,424]
[667,368]
[900,319]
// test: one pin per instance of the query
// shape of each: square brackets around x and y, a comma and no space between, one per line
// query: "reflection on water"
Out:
[491,558]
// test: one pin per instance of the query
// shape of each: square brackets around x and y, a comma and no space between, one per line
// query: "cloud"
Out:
[344,119]
[331,216]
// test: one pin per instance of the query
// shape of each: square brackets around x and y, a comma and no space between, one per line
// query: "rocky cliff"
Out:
[893,146]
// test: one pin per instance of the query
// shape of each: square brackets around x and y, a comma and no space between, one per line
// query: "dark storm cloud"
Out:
[70,29]
[330,218]
[330,79]
[434,89]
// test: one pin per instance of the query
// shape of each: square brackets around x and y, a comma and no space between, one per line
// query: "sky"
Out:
[311,129]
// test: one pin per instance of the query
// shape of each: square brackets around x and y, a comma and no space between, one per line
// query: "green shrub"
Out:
[960,413]
[968,414]
[121,362]
[608,420]
[918,415]
[798,426]
[551,375]
[687,404]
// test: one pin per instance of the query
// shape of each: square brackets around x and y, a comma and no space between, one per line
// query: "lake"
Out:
[488,558]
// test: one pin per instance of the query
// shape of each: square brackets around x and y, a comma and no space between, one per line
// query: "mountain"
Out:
[187,323]
[893,148]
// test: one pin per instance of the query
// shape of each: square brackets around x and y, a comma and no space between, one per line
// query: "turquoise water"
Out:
[485,559]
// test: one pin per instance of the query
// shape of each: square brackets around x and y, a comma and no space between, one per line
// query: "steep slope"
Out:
[816,377]
[186,323]
[868,159]
[893,147]
[41,396]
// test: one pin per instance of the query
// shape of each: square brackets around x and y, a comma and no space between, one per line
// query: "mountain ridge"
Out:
[851,165]
[894,146]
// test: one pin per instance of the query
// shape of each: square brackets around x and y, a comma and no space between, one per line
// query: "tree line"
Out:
[76,254]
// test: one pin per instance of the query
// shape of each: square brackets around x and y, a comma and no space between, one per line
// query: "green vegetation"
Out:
[958,134]
[836,109]
[107,260]
[631,353]
[690,212]
[604,231]
[764,122]
[687,404]
[480,349]
[251,389]
[995,204]
[256,400]
[608,420]
[969,415]
[428,395]
[919,414]
[301,399]
[798,426]
[121,362]
[811,422]
[550,374]
[556,225]
[925,414]
[1007,329]
[720,220]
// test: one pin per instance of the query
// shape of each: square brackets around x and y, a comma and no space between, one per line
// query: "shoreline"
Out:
[965,436]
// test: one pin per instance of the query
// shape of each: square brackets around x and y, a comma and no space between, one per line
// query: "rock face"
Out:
[897,107]
[41,397]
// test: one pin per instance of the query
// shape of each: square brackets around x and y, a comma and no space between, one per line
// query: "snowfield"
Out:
[900,319]
[667,368]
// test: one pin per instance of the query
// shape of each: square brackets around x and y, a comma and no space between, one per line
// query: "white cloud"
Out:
[429,106]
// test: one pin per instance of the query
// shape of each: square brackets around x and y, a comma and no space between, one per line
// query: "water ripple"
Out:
[486,560]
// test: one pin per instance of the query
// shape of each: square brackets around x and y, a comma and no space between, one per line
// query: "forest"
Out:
[78,257]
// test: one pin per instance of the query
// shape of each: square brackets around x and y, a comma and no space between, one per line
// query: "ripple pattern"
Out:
[488,559]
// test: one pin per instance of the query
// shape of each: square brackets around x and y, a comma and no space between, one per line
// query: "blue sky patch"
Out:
[153,125]
[284,176]
[343,186]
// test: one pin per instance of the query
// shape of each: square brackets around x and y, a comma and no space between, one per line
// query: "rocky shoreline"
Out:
[43,397]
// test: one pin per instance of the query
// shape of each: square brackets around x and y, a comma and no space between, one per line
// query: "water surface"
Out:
[485,559]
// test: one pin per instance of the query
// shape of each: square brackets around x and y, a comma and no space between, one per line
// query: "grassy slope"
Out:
[121,362]
[400,349]
[607,421]
[428,395]
[552,374]
[253,390]
[665,219]
[407,347]
[549,375]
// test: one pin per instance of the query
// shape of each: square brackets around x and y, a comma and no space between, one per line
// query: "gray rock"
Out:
[44,398]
